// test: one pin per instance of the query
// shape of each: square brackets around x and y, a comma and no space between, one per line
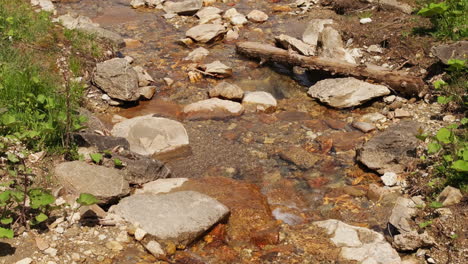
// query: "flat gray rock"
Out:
[391,150]
[118,79]
[457,50]
[179,217]
[205,32]
[226,90]
[80,177]
[187,7]
[152,136]
[360,244]
[287,42]
[346,92]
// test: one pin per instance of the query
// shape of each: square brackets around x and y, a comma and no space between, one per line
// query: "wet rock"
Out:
[162,185]
[197,54]
[412,240]
[364,127]
[226,90]
[333,47]
[232,35]
[257,16]
[213,108]
[147,92]
[218,69]
[457,50]
[376,193]
[259,102]
[391,150]
[211,19]
[144,79]
[400,113]
[250,212]
[311,35]
[236,18]
[359,244]
[80,177]
[373,118]
[140,169]
[389,179]
[450,196]
[205,32]
[402,213]
[287,42]
[299,157]
[340,141]
[117,78]
[178,217]
[85,24]
[138,3]
[155,248]
[186,7]
[153,136]
[102,143]
[346,92]
[208,11]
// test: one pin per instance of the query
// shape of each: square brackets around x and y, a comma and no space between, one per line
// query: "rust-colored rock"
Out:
[343,141]
[250,212]
[316,125]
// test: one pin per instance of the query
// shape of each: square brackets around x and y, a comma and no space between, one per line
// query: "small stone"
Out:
[75,256]
[140,234]
[232,35]
[389,179]
[257,16]
[25,261]
[218,69]
[444,211]
[226,90]
[449,118]
[400,113]
[374,48]
[51,252]
[236,18]
[168,81]
[41,244]
[213,108]
[59,230]
[259,101]
[431,260]
[450,196]
[155,248]
[197,54]
[389,99]
[51,262]
[147,92]
[364,127]
[365,20]
[373,118]
[114,246]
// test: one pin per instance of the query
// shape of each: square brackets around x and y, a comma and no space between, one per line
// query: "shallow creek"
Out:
[249,148]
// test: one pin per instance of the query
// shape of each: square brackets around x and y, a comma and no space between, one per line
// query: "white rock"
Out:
[205,32]
[161,185]
[259,101]
[208,11]
[213,108]
[25,261]
[226,90]
[140,234]
[232,35]
[289,42]
[51,252]
[389,179]
[257,16]
[144,79]
[150,135]
[154,248]
[346,92]
[312,33]
[138,3]
[45,5]
[197,54]
[365,20]
[374,48]
[219,69]
[236,18]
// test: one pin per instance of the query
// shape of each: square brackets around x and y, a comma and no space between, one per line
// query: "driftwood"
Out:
[397,80]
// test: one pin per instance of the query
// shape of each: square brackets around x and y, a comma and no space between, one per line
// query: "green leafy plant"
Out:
[436,205]
[118,163]
[86,199]
[96,157]
[448,18]
[425,224]
[448,152]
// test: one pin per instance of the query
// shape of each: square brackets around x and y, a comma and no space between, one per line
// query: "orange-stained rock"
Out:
[316,125]
[342,141]
[335,124]
[250,212]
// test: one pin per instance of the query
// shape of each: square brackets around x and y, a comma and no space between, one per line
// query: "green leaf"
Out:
[6,233]
[40,198]
[425,224]
[444,99]
[41,98]
[448,158]
[422,136]
[444,135]
[433,147]
[87,199]
[12,158]
[96,157]
[464,121]
[5,196]
[118,163]
[6,221]
[433,9]
[456,65]
[41,218]
[460,165]
[436,205]
[439,84]
[8,120]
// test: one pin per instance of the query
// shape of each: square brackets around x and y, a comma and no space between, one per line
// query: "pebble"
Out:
[155,248]
[51,252]
[140,234]
[364,126]
[41,244]
[102,237]
[400,113]
[114,246]
[389,99]
[365,20]
[59,230]
[75,256]
[257,16]
[25,261]
[431,260]
[389,179]
[449,118]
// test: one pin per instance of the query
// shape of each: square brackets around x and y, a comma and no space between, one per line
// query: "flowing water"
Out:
[248,148]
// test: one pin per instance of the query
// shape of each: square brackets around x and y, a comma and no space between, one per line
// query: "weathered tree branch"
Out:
[397,80]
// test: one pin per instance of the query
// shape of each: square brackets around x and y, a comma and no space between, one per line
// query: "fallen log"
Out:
[398,80]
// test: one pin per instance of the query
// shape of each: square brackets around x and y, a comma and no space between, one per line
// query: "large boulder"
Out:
[391,150]
[80,177]
[346,92]
[205,32]
[118,79]
[178,217]
[153,136]
[360,244]
[213,108]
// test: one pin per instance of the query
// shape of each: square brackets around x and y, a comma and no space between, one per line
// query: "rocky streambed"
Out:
[231,160]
